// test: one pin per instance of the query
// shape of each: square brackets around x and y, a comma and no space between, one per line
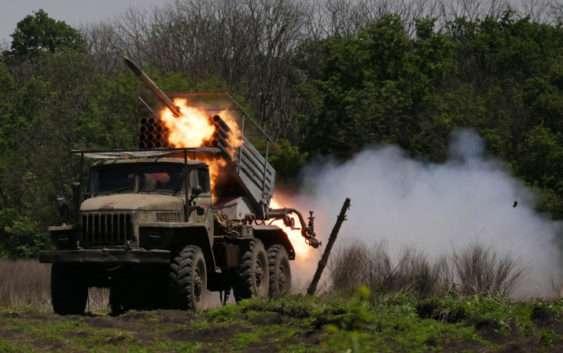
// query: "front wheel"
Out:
[69,291]
[254,277]
[188,279]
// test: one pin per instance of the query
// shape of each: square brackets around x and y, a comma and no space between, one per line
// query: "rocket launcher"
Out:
[248,173]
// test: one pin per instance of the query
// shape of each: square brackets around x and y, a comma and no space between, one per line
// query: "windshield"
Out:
[133,177]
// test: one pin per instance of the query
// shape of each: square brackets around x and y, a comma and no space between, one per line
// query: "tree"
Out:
[372,87]
[39,33]
[287,159]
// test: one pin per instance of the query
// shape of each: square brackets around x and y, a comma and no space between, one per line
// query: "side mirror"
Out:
[64,208]
[76,200]
[196,191]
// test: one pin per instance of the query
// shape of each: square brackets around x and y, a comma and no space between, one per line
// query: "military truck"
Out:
[149,225]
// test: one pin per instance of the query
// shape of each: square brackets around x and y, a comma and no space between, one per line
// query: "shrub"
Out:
[480,270]
[475,270]
[413,272]
[20,236]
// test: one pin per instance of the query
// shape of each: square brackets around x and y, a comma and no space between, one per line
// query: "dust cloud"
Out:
[434,208]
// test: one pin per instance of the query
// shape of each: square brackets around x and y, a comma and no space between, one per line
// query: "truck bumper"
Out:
[106,256]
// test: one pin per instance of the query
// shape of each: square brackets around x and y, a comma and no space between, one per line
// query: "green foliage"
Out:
[373,87]
[39,33]
[287,159]
[543,161]
[20,236]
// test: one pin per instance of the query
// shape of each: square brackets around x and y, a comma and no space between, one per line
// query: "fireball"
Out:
[192,129]
[235,137]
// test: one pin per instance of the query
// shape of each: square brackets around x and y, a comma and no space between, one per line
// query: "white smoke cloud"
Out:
[435,208]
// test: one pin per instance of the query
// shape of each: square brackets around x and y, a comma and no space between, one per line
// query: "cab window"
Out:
[137,177]
[203,179]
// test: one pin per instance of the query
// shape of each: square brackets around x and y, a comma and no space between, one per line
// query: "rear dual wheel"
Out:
[254,276]
[263,273]
[280,272]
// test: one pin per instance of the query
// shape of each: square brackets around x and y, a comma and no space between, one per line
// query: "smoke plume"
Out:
[434,208]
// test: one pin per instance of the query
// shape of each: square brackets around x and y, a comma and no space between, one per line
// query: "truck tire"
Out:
[69,292]
[188,279]
[117,300]
[254,277]
[280,271]
[137,294]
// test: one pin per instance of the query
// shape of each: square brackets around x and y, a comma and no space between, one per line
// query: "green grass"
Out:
[361,323]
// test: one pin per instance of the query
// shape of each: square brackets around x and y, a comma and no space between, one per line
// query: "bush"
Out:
[413,272]
[480,270]
[475,270]
[20,236]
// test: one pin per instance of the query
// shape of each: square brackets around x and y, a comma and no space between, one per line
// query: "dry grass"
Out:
[481,271]
[475,270]
[28,283]
[24,283]
[413,272]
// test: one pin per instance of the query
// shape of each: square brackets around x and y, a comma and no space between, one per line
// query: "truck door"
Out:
[199,177]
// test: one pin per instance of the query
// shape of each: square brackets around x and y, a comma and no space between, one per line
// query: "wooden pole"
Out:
[331,239]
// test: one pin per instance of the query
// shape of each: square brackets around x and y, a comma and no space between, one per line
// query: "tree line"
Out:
[325,78]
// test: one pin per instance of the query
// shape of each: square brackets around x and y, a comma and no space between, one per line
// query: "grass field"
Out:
[360,323]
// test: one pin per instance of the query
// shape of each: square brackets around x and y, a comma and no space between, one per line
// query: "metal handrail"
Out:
[159,149]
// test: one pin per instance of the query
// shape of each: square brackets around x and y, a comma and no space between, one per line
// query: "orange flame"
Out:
[235,137]
[195,129]
[216,167]
[302,250]
[192,129]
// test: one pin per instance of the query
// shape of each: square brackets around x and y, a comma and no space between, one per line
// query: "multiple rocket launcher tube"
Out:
[153,133]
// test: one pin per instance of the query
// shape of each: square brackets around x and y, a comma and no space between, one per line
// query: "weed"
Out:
[480,270]
[474,270]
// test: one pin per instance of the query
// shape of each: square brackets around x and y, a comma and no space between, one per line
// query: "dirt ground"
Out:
[298,325]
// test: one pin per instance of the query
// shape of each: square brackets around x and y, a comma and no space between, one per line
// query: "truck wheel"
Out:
[69,292]
[280,272]
[188,277]
[117,298]
[254,276]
